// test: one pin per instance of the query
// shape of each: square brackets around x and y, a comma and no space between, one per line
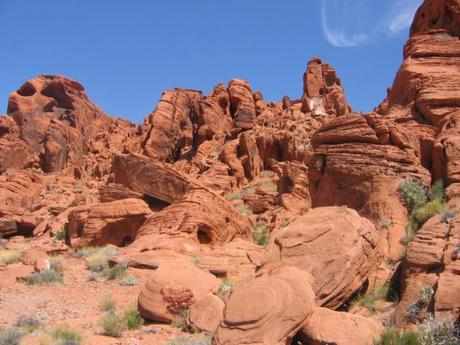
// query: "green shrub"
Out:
[133,318]
[203,340]
[244,209]
[97,262]
[385,223]
[413,193]
[56,265]
[392,337]
[437,191]
[236,196]
[115,272]
[113,324]
[426,293]
[181,321]
[44,277]
[225,287]
[9,256]
[260,234]
[381,292]
[108,251]
[285,223]
[11,336]
[438,332]
[64,336]
[60,235]
[108,304]
[425,212]
[128,281]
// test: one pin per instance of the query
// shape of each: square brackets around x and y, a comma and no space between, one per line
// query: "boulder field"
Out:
[271,223]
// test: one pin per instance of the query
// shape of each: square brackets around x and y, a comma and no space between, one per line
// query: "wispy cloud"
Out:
[400,16]
[338,38]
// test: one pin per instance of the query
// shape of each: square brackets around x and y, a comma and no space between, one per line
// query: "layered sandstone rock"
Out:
[149,177]
[432,262]
[268,309]
[325,326]
[115,222]
[207,313]
[199,218]
[173,287]
[359,161]
[335,245]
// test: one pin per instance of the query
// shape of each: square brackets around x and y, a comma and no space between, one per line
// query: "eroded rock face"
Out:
[335,245]
[53,122]
[323,92]
[359,161]
[115,222]
[174,286]
[268,309]
[149,177]
[325,326]
[432,261]
[199,218]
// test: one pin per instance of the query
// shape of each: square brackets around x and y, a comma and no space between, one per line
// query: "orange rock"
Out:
[325,326]
[207,313]
[268,309]
[115,222]
[174,286]
[335,245]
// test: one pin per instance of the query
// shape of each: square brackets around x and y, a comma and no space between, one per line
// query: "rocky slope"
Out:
[257,222]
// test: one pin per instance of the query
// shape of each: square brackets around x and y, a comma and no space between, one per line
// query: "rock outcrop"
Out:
[335,245]
[268,309]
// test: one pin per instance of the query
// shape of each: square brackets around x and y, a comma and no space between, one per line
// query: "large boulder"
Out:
[326,326]
[268,309]
[115,222]
[335,245]
[175,286]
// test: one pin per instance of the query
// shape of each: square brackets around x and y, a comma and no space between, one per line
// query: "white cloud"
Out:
[338,38]
[400,16]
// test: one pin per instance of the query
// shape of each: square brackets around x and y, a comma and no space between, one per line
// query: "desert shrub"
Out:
[437,191]
[44,277]
[448,216]
[9,256]
[392,337]
[413,193]
[97,263]
[133,318]
[115,272]
[225,287]
[91,277]
[425,212]
[11,336]
[108,304]
[28,322]
[367,300]
[56,265]
[108,251]
[181,321]
[426,293]
[60,235]
[128,281]
[203,340]
[244,209]
[235,196]
[113,324]
[195,259]
[64,336]
[438,332]
[260,234]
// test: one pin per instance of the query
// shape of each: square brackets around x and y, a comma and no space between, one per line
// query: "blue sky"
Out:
[126,53]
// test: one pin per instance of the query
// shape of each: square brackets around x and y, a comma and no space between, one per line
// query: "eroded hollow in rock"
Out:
[27,90]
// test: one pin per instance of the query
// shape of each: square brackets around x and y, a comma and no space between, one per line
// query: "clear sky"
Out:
[126,52]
